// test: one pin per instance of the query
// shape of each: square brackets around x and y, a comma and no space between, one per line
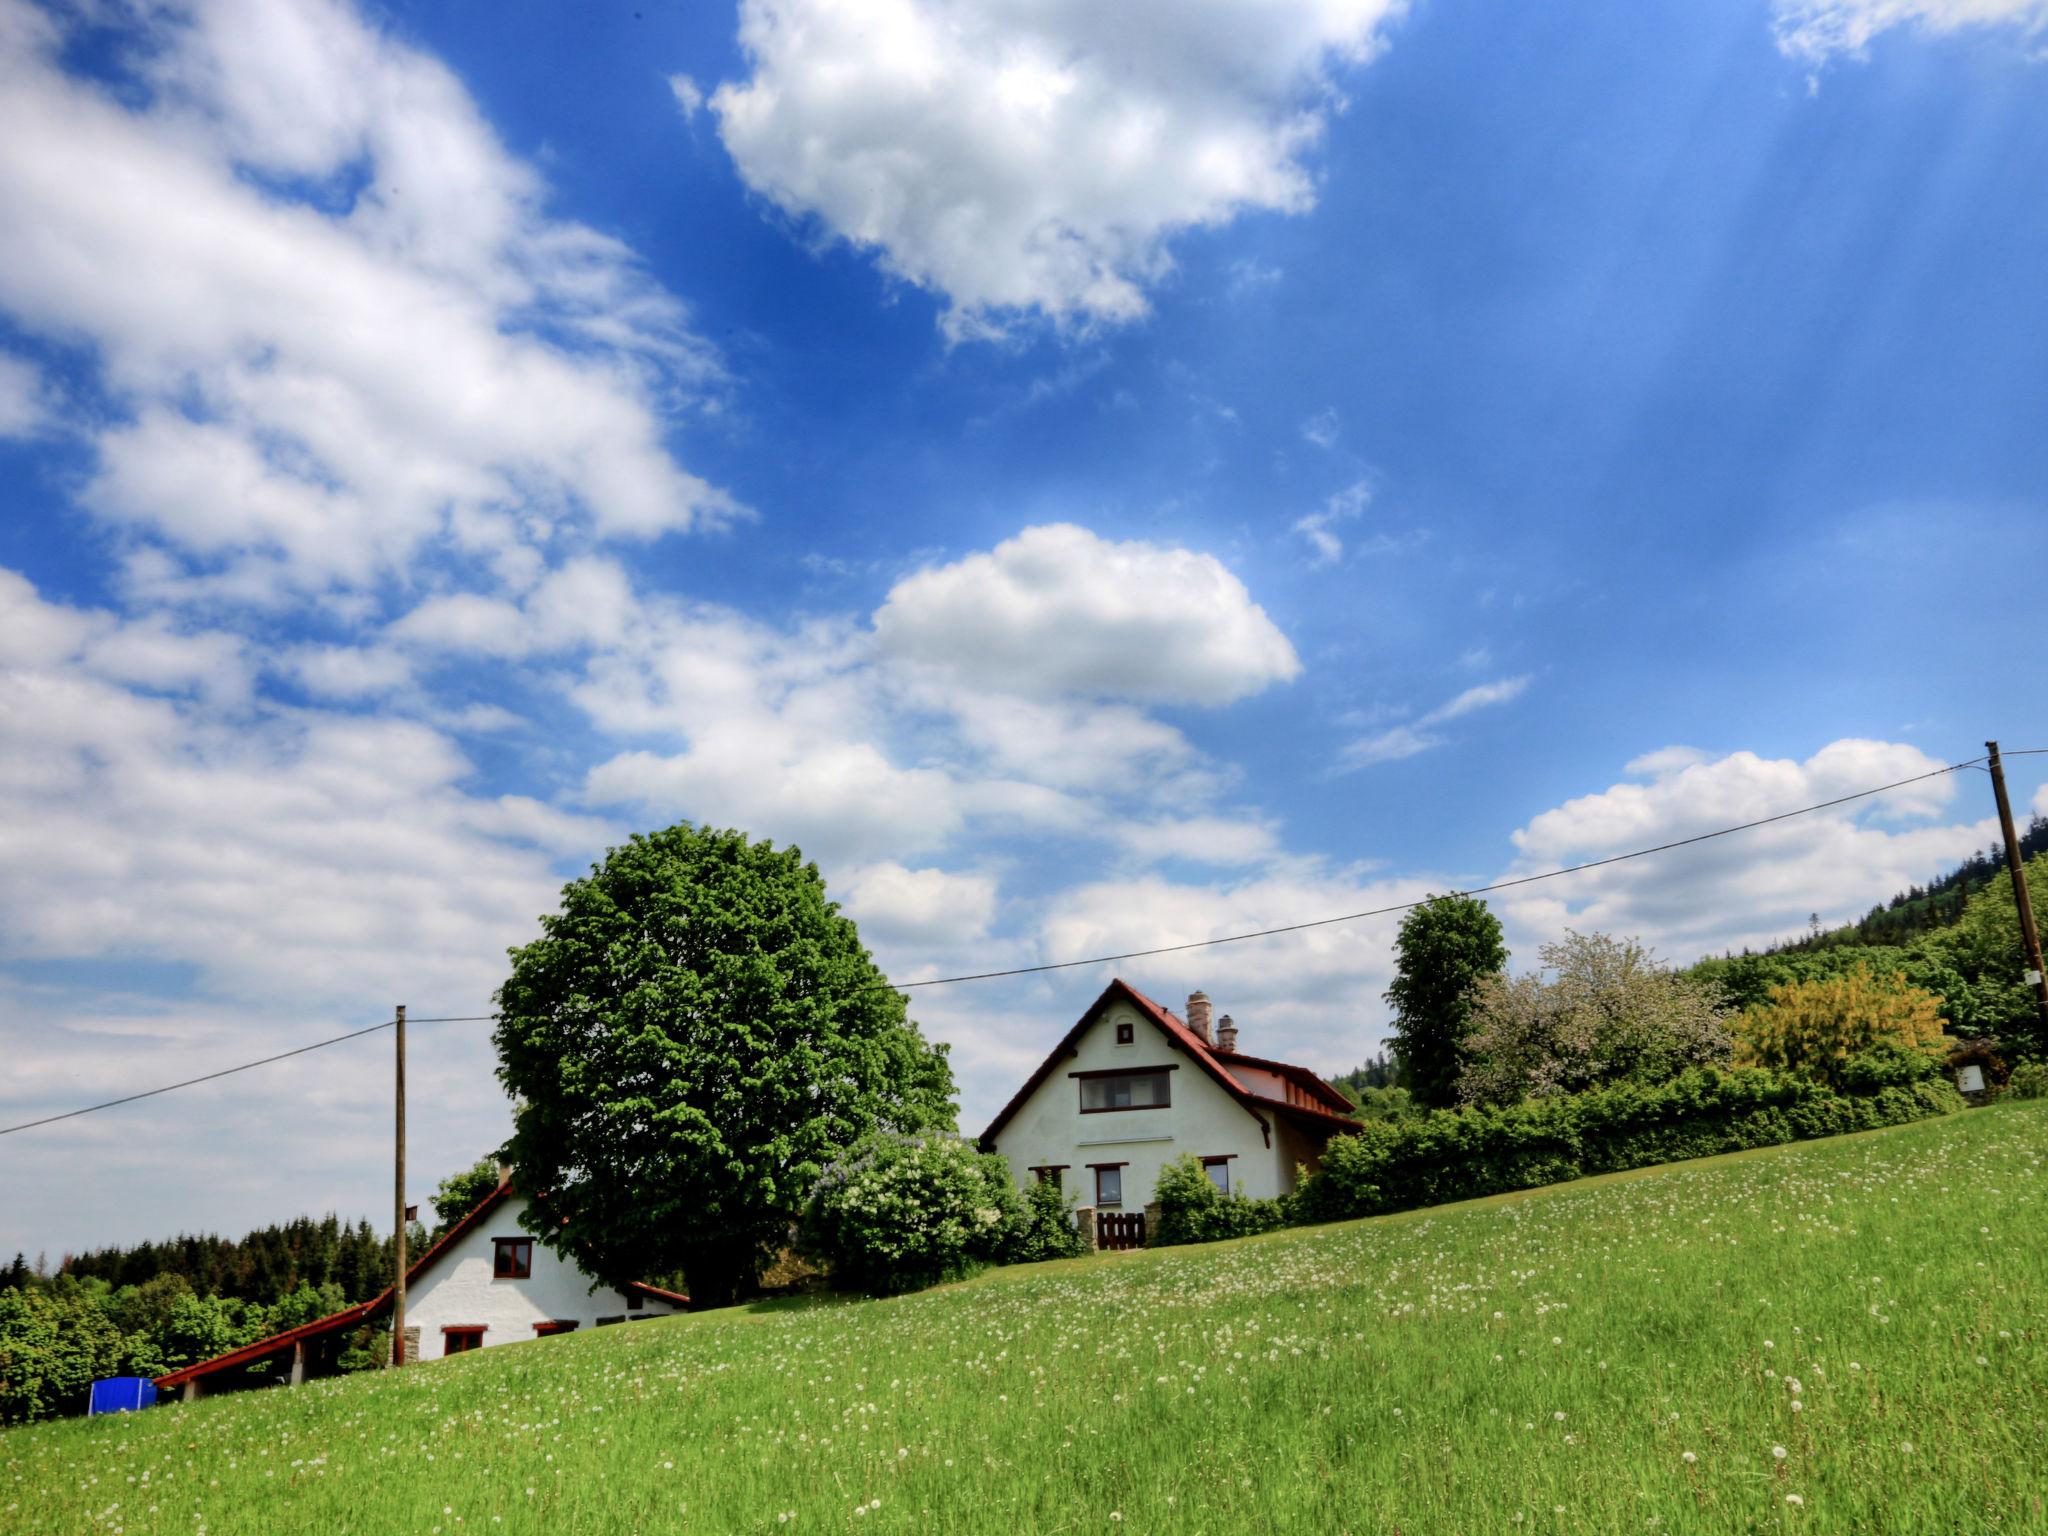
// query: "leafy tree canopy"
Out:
[696,1034]
[1446,947]
[1607,1012]
[460,1193]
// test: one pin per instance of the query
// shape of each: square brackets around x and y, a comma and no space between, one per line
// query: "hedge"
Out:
[1464,1153]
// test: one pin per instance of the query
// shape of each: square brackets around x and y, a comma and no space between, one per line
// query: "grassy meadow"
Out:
[1841,1336]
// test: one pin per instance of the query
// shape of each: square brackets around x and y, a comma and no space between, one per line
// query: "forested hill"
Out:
[263,1267]
[1924,908]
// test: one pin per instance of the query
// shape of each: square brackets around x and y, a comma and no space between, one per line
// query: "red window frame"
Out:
[512,1258]
[461,1338]
[554,1326]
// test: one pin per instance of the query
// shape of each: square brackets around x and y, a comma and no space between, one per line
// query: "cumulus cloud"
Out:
[1402,741]
[309,386]
[1311,996]
[926,907]
[1035,158]
[275,875]
[1058,610]
[1752,887]
[1816,30]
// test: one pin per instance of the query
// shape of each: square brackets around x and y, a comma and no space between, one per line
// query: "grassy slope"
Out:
[1532,1362]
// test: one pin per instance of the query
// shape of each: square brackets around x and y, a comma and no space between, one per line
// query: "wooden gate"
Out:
[1119,1229]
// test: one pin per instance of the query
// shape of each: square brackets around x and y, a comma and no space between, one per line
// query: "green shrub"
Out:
[898,1213]
[1486,1150]
[2029,1080]
[1886,1064]
[1191,1209]
[1049,1231]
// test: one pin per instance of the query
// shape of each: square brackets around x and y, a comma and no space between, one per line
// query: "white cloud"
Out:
[1035,158]
[1201,839]
[921,907]
[1311,996]
[23,410]
[688,94]
[1058,610]
[1321,428]
[1403,741]
[1749,888]
[1482,696]
[281,875]
[1816,30]
[318,387]
[1320,528]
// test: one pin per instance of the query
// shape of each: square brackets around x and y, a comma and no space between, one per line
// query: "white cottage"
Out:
[485,1282]
[1131,1087]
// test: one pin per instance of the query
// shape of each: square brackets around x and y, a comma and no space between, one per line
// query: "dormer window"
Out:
[512,1259]
[1105,1091]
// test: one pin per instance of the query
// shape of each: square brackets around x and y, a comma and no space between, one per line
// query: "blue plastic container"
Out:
[122,1394]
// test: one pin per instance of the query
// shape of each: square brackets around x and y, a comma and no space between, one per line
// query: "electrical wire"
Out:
[1129,954]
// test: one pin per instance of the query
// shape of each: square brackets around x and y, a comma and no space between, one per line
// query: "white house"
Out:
[1131,1087]
[486,1282]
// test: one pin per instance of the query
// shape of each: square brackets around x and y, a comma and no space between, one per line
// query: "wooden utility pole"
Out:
[2030,936]
[398,1210]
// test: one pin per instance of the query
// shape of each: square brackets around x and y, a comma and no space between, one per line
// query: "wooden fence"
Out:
[1119,1229]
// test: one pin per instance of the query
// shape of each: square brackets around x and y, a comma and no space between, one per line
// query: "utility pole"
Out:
[398,1210]
[2029,934]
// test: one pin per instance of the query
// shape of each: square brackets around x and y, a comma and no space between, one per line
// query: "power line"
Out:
[1407,906]
[1130,954]
[192,1082]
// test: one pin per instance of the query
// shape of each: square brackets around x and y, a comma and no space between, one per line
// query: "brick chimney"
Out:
[1226,1034]
[1198,1015]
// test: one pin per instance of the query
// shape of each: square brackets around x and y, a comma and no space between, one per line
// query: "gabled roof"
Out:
[1212,1061]
[376,1306]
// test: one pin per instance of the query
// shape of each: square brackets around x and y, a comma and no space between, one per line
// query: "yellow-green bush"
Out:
[1816,1028]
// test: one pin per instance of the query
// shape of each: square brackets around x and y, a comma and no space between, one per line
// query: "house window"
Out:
[1109,1183]
[635,1301]
[555,1326]
[513,1259]
[1106,1091]
[459,1341]
[1218,1169]
[606,1322]
[1049,1173]
[1126,1032]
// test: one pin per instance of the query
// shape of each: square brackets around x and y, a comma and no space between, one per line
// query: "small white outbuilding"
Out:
[486,1282]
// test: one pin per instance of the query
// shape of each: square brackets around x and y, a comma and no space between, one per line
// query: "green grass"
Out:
[1870,1306]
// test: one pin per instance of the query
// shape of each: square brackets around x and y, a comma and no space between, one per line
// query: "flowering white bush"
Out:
[899,1213]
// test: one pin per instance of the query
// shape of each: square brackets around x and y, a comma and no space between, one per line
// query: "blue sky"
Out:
[1093,477]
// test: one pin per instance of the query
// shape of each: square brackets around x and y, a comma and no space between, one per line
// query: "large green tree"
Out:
[696,1034]
[1447,946]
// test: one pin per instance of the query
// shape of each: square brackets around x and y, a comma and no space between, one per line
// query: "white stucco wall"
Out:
[458,1290]
[1202,1118]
